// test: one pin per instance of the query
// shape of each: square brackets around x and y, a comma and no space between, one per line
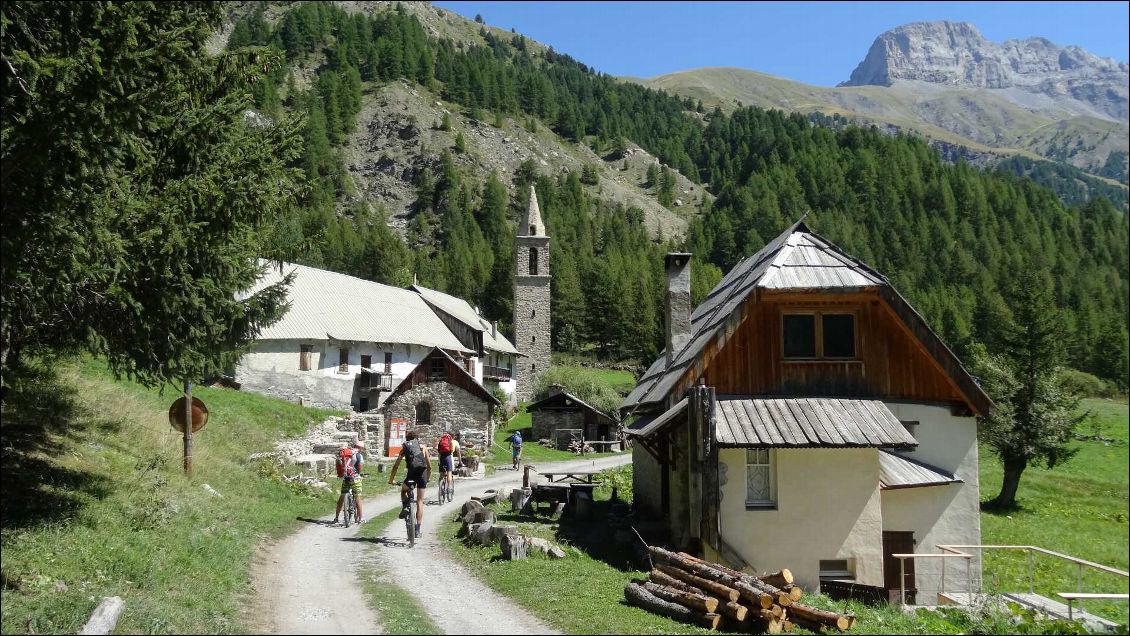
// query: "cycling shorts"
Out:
[517,451]
[446,463]
[354,485]
[420,476]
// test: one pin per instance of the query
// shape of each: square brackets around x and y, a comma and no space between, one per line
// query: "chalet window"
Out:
[910,427]
[436,369]
[343,360]
[363,404]
[836,569]
[423,413]
[839,335]
[304,354]
[367,362]
[800,335]
[818,335]
[388,363]
[760,479]
[470,366]
[533,261]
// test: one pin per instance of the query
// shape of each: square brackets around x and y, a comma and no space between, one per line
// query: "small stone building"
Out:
[564,411]
[440,395]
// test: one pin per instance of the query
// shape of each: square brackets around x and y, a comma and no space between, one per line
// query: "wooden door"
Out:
[898,542]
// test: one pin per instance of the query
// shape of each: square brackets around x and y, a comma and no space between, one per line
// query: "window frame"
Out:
[826,571]
[305,353]
[818,333]
[428,410]
[437,369]
[343,359]
[771,463]
[388,362]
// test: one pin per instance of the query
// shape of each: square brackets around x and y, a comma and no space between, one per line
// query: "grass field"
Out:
[96,504]
[532,452]
[1079,508]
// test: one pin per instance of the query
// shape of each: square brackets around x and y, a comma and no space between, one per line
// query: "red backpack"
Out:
[445,443]
[346,468]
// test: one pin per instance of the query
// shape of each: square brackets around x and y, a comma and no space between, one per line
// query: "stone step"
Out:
[330,448]
[346,436]
[316,462]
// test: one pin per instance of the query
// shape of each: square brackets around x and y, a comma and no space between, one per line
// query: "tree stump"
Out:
[514,547]
[519,498]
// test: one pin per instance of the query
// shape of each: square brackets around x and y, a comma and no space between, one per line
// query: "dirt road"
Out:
[300,588]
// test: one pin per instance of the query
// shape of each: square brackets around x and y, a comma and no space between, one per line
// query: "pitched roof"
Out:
[465,380]
[807,423]
[324,304]
[896,471]
[565,399]
[462,311]
[796,259]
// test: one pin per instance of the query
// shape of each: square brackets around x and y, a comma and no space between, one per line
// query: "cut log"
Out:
[698,602]
[775,611]
[514,547]
[756,597]
[723,592]
[794,592]
[640,597]
[734,610]
[801,613]
[778,579]
[660,578]
[787,626]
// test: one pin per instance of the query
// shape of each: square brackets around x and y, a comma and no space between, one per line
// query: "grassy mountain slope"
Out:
[96,504]
[986,121]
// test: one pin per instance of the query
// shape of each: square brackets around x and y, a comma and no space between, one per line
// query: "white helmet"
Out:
[359,445]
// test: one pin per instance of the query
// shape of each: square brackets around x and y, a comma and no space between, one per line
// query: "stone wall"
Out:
[452,408]
[546,421]
[531,331]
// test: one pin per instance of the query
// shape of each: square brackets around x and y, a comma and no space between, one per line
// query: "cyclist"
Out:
[516,445]
[448,448]
[415,455]
[350,473]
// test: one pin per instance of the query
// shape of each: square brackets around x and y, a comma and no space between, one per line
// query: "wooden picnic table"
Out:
[578,476]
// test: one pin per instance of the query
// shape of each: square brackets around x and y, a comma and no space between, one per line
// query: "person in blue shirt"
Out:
[516,447]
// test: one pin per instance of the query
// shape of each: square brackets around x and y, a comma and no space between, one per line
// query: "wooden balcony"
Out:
[496,373]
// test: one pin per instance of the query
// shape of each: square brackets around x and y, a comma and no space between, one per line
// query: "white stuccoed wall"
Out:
[828,507]
[939,514]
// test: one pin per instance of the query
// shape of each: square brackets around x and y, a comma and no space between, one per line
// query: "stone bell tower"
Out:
[531,299]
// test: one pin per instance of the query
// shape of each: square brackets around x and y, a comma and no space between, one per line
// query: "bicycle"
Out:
[351,505]
[446,490]
[410,518]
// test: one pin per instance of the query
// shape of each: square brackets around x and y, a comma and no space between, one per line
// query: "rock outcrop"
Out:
[956,54]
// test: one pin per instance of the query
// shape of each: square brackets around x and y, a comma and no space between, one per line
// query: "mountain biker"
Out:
[415,455]
[516,444]
[349,468]
[448,448]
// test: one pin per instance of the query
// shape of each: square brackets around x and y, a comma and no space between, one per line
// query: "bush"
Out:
[1086,385]
[584,387]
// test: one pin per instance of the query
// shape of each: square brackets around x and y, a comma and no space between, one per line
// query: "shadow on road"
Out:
[385,541]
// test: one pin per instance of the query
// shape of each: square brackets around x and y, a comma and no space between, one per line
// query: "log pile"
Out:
[707,594]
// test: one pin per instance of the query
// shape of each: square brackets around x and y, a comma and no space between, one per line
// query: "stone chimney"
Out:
[494,328]
[678,302]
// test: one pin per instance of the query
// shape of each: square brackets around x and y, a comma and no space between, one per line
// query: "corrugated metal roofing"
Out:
[896,471]
[326,304]
[796,259]
[462,311]
[807,422]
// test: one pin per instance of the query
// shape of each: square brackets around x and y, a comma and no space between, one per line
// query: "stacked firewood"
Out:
[707,594]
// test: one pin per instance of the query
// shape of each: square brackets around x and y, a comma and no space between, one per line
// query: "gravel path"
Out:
[300,589]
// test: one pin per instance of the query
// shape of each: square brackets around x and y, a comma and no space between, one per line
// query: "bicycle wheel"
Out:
[349,508]
[410,524]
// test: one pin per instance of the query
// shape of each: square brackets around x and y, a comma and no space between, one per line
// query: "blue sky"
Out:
[813,42]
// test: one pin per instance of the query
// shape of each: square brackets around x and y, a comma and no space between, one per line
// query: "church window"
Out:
[533,261]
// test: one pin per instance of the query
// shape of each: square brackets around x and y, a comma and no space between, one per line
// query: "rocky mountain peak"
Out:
[956,54]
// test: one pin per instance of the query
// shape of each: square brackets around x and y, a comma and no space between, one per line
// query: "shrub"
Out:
[1086,385]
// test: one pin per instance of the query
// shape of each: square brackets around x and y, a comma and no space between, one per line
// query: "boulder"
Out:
[480,533]
[499,532]
[479,516]
[545,547]
[470,506]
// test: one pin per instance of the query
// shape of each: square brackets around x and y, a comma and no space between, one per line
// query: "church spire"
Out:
[532,224]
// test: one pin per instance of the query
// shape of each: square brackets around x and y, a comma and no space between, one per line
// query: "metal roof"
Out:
[327,305]
[807,422]
[462,311]
[796,259]
[896,471]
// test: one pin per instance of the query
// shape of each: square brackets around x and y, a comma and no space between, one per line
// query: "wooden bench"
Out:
[1071,597]
[577,476]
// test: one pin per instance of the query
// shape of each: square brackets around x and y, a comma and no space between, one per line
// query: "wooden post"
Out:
[188,428]
[694,462]
[710,491]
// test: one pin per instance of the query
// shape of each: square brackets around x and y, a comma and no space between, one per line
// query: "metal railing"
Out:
[501,373]
[1032,551]
[944,556]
